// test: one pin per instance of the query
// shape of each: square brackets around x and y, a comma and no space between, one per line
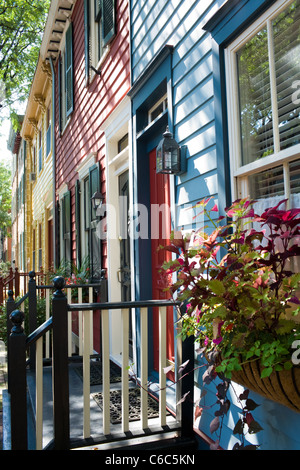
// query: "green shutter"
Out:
[108,21]
[77,220]
[69,70]
[57,235]
[66,221]
[59,95]
[97,10]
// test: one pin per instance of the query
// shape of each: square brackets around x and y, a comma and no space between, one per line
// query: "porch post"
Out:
[18,394]
[32,306]
[60,367]
[17,282]
[10,307]
[187,406]
[186,354]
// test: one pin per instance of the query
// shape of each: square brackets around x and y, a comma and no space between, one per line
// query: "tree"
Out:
[5,198]
[21,27]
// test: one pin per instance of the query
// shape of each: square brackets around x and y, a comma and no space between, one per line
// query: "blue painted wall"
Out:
[179,23]
[198,118]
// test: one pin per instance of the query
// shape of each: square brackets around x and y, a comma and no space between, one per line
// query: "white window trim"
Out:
[238,173]
[62,48]
[163,100]
[94,25]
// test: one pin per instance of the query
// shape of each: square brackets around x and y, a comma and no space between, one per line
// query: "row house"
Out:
[86,45]
[125,74]
[17,146]
[36,132]
[32,180]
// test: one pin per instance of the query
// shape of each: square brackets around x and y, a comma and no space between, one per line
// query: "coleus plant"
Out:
[240,294]
[238,302]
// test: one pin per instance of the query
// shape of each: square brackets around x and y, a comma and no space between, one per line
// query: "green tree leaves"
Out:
[5,198]
[21,26]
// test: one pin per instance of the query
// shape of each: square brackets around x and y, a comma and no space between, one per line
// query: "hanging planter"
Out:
[281,386]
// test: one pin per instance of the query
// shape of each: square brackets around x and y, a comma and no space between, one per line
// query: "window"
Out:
[40,260]
[65,70]
[87,220]
[48,134]
[34,159]
[40,150]
[262,67]
[123,143]
[158,109]
[154,109]
[99,18]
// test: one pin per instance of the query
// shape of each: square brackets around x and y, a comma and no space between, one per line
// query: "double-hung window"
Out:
[48,132]
[263,100]
[100,25]
[40,140]
[66,98]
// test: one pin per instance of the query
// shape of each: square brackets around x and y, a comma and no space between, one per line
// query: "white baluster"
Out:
[144,367]
[105,371]
[39,394]
[162,363]
[125,363]
[86,374]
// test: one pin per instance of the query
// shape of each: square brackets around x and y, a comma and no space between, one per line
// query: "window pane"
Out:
[255,99]
[95,256]
[294,169]
[267,184]
[287,66]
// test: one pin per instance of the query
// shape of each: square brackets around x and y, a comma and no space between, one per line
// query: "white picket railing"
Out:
[144,371]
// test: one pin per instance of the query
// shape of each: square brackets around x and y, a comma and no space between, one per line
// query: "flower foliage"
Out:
[238,284]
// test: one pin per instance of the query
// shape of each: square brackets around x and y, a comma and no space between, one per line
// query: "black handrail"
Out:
[126,304]
[20,301]
[70,286]
[39,332]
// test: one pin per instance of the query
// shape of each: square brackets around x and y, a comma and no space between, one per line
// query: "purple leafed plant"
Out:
[238,281]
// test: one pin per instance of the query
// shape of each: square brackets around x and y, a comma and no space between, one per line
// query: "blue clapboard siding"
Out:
[179,23]
[281,426]
[197,122]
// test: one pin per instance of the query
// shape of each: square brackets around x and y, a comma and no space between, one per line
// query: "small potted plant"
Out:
[235,276]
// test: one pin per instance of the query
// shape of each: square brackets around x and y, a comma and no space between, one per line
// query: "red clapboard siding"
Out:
[92,105]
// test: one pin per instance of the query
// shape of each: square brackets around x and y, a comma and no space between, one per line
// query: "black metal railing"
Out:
[20,348]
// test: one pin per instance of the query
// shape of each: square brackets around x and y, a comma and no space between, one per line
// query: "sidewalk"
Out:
[3,386]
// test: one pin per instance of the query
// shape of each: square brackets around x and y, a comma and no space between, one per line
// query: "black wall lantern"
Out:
[170,158]
[97,200]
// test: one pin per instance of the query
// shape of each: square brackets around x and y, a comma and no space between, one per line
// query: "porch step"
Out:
[153,443]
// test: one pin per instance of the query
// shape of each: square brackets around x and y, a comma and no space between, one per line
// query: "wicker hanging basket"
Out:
[283,387]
